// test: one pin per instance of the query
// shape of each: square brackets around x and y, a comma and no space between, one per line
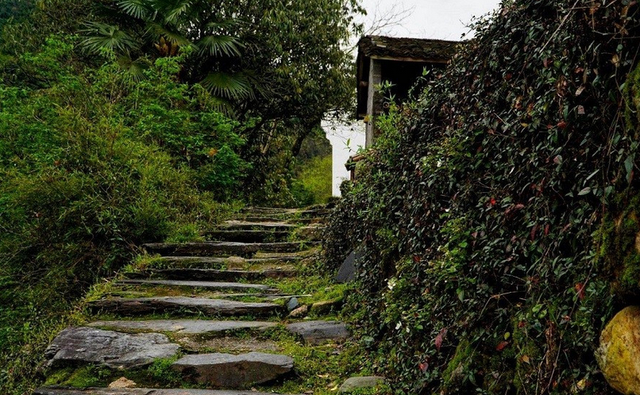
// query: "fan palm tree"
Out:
[168,25]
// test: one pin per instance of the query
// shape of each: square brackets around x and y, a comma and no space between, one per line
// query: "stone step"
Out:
[183,327]
[82,345]
[184,305]
[264,226]
[318,332]
[222,262]
[140,391]
[214,285]
[192,274]
[248,235]
[246,250]
[220,370]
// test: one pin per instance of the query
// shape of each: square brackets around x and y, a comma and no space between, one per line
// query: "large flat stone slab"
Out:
[82,345]
[223,248]
[183,327]
[140,391]
[232,286]
[222,262]
[233,371]
[196,274]
[138,306]
[318,332]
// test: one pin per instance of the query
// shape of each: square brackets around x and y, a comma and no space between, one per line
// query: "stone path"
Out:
[185,301]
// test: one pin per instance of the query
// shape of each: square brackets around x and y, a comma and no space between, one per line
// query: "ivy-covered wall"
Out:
[497,214]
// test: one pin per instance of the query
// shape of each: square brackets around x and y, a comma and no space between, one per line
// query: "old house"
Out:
[399,61]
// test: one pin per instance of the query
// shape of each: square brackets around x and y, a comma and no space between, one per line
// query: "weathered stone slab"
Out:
[186,327]
[233,371]
[200,284]
[318,332]
[326,307]
[137,306]
[222,248]
[113,349]
[140,391]
[221,262]
[195,274]
[248,235]
[246,225]
[355,383]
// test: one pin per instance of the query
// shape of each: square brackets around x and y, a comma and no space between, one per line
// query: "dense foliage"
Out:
[497,213]
[102,151]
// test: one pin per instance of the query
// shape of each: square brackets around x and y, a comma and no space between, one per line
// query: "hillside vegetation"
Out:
[497,213]
[121,125]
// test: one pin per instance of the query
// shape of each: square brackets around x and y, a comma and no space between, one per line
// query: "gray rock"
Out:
[326,307]
[347,271]
[140,391]
[246,225]
[137,306]
[233,371]
[177,262]
[317,332]
[293,304]
[354,383]
[113,349]
[183,327]
[200,284]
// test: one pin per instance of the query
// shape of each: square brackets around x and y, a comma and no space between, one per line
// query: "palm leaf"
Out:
[140,9]
[101,37]
[234,86]
[134,68]
[173,12]
[157,30]
[215,45]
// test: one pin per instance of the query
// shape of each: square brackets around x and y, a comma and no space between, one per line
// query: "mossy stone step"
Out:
[264,226]
[318,332]
[246,250]
[183,327]
[222,262]
[248,235]
[140,391]
[195,274]
[215,285]
[82,345]
[184,305]
[221,370]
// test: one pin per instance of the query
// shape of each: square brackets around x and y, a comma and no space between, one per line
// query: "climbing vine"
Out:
[482,211]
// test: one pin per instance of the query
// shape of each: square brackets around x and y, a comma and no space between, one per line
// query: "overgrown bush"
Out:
[92,164]
[484,208]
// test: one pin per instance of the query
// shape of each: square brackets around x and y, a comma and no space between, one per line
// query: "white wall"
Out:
[339,134]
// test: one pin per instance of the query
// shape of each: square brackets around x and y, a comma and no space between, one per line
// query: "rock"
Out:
[619,350]
[137,306]
[113,349]
[326,307]
[140,391]
[184,327]
[200,284]
[355,383]
[123,382]
[299,312]
[233,371]
[318,332]
[263,226]
[248,236]
[347,271]
[293,304]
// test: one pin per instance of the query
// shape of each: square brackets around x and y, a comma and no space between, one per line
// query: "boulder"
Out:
[619,350]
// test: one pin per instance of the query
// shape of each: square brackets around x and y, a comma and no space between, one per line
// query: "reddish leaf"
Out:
[546,230]
[534,231]
[522,324]
[502,345]
[416,259]
[493,202]
[440,338]
[424,366]
[562,125]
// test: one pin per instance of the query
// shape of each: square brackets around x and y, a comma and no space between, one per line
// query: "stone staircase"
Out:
[201,310]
